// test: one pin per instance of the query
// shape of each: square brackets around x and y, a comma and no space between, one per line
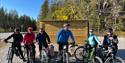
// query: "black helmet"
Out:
[17,30]
[110,30]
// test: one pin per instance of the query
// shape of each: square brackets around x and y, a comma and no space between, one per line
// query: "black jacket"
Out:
[106,39]
[41,38]
[17,38]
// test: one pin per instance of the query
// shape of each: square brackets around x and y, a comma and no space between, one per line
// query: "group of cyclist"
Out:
[62,37]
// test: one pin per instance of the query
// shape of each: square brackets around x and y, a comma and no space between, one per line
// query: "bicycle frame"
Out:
[89,52]
[30,55]
[44,55]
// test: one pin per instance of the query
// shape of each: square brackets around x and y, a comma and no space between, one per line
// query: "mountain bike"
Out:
[12,50]
[63,55]
[86,54]
[30,54]
[44,55]
[110,57]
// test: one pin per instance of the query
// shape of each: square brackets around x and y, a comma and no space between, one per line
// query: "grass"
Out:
[2,44]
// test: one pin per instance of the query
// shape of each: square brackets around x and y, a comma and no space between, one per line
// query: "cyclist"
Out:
[108,37]
[42,36]
[63,36]
[17,39]
[28,40]
[93,41]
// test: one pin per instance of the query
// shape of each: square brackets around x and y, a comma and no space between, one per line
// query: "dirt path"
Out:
[4,50]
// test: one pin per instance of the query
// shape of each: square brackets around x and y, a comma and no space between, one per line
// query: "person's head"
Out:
[17,30]
[109,31]
[91,31]
[41,30]
[66,26]
[30,29]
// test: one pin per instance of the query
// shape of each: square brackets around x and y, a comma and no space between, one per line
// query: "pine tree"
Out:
[44,10]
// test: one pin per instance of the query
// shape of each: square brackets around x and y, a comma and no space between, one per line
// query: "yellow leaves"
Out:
[65,12]
[62,17]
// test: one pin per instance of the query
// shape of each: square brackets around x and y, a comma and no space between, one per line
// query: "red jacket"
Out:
[29,38]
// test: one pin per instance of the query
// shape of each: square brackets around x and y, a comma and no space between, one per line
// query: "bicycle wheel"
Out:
[24,52]
[97,60]
[65,58]
[9,55]
[31,57]
[43,57]
[115,60]
[79,53]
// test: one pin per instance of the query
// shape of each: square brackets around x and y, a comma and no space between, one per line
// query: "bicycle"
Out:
[110,57]
[44,55]
[63,56]
[30,55]
[12,50]
[82,53]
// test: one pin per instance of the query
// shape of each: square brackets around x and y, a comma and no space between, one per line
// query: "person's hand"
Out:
[100,46]
[22,44]
[73,43]
[49,42]
[5,41]
[58,42]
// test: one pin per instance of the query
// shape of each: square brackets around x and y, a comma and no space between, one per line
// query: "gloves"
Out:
[100,46]
[73,43]
[5,41]
[58,42]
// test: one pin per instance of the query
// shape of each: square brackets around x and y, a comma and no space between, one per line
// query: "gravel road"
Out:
[4,50]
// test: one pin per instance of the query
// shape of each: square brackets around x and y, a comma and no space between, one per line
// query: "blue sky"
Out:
[28,7]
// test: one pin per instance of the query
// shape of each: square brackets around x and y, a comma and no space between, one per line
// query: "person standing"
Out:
[43,39]
[17,39]
[110,36]
[63,37]
[28,40]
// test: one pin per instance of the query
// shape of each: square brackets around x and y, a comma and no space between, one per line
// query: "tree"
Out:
[11,20]
[44,10]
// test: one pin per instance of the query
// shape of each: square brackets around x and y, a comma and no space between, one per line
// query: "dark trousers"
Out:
[61,45]
[18,46]
[42,44]
[28,47]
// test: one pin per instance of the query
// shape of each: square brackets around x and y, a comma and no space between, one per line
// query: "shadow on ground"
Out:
[121,53]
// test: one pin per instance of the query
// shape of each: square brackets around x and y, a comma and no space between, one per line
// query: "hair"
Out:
[66,24]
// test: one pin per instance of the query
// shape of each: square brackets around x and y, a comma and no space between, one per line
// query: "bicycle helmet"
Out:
[110,30]
[17,30]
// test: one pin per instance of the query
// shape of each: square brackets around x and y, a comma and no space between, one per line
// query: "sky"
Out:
[27,7]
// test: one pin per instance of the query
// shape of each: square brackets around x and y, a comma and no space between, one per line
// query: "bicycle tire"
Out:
[31,60]
[118,58]
[24,52]
[77,54]
[43,57]
[66,57]
[9,57]
[97,60]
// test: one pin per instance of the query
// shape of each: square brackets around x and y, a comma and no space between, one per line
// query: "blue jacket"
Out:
[93,40]
[63,36]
